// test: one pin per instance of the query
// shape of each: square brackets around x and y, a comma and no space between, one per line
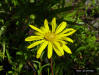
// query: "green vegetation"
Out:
[17,15]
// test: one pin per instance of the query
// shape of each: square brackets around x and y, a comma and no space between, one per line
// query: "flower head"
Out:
[56,39]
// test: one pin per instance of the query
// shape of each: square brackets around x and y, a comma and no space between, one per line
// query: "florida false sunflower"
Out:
[56,38]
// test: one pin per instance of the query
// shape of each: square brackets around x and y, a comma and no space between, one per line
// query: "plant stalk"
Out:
[52,66]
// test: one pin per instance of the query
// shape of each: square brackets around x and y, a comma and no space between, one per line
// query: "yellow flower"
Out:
[56,39]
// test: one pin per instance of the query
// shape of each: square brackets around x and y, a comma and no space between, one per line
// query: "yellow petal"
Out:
[46,24]
[49,50]
[35,28]
[58,47]
[45,30]
[68,39]
[40,50]
[53,23]
[57,51]
[35,44]
[61,27]
[42,28]
[59,36]
[68,31]
[66,34]
[37,33]
[67,49]
[32,38]
[61,42]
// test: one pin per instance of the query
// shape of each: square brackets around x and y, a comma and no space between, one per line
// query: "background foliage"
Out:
[16,15]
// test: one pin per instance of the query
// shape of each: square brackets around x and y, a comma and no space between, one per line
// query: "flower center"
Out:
[50,36]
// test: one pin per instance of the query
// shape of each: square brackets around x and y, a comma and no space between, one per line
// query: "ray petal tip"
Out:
[37,56]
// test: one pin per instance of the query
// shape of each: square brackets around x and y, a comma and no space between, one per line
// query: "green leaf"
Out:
[32,1]
[37,63]
[35,66]
[41,68]
[1,55]
[20,67]
[44,66]
[10,72]
[2,30]
[32,16]
[70,16]
[3,44]
[19,53]
[8,55]
[1,68]
[81,48]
